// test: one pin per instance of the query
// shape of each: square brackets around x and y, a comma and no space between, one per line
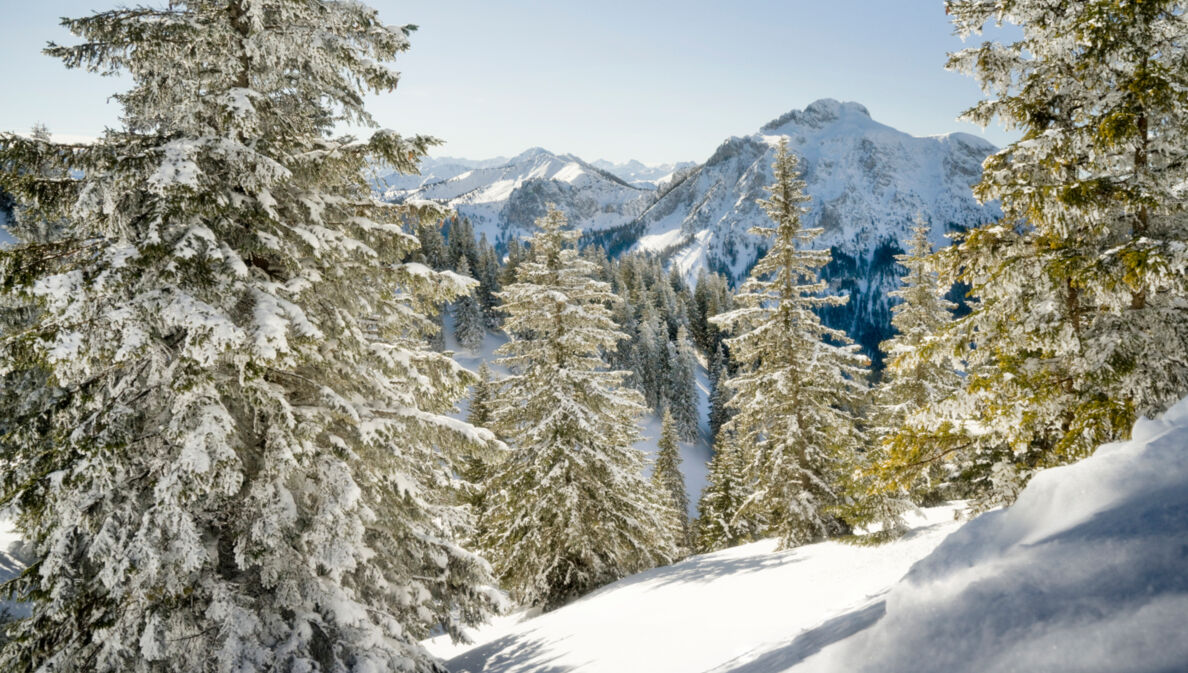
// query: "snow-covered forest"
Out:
[276,396]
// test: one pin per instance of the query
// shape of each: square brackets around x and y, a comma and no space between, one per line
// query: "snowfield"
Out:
[1088,571]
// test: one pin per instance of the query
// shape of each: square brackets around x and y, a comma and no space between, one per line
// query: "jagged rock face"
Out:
[502,201]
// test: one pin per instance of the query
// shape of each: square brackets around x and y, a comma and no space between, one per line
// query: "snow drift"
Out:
[1088,571]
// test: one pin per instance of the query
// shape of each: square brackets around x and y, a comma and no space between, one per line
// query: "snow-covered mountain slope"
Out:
[868,182]
[433,169]
[700,613]
[503,201]
[1084,573]
[643,175]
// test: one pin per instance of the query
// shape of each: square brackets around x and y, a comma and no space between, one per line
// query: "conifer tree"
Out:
[487,274]
[468,318]
[432,245]
[682,386]
[232,448]
[481,398]
[667,478]
[796,387]
[721,522]
[912,383]
[570,510]
[1077,327]
[719,397]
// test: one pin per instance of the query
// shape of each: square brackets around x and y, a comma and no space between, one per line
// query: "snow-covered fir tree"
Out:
[667,478]
[912,383]
[570,510]
[481,397]
[487,274]
[798,382]
[432,245]
[231,448]
[682,386]
[1078,325]
[469,329]
[720,521]
[719,393]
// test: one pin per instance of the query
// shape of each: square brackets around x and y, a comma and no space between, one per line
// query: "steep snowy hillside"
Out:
[503,201]
[867,181]
[642,175]
[1084,573]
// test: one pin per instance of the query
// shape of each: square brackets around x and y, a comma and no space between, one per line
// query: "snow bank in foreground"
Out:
[1088,571]
[705,611]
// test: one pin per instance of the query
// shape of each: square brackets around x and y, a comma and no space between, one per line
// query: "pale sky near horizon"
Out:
[654,80]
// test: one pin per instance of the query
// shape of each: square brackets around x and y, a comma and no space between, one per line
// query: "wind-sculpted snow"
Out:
[1085,572]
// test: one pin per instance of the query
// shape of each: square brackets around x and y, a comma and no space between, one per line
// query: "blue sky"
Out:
[654,80]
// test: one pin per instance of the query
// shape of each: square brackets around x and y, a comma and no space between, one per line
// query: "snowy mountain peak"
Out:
[817,115]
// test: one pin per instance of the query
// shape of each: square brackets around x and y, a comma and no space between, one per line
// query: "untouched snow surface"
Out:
[707,611]
[1088,571]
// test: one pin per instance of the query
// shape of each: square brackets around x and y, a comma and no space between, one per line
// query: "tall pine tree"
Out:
[231,450]
[796,387]
[469,329]
[721,523]
[912,383]
[667,478]
[570,510]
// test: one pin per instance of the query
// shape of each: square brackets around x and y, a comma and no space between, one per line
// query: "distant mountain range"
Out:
[868,183]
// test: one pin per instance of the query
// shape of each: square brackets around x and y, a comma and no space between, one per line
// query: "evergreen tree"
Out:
[719,397]
[911,383]
[1077,328]
[229,447]
[468,318]
[682,386]
[481,398]
[796,387]
[487,274]
[432,245]
[721,522]
[667,479]
[570,510]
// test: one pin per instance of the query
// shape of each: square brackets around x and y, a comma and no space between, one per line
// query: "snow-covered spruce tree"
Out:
[797,383]
[570,510]
[481,398]
[1079,325]
[667,478]
[682,386]
[469,329]
[912,383]
[239,459]
[720,523]
[719,393]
